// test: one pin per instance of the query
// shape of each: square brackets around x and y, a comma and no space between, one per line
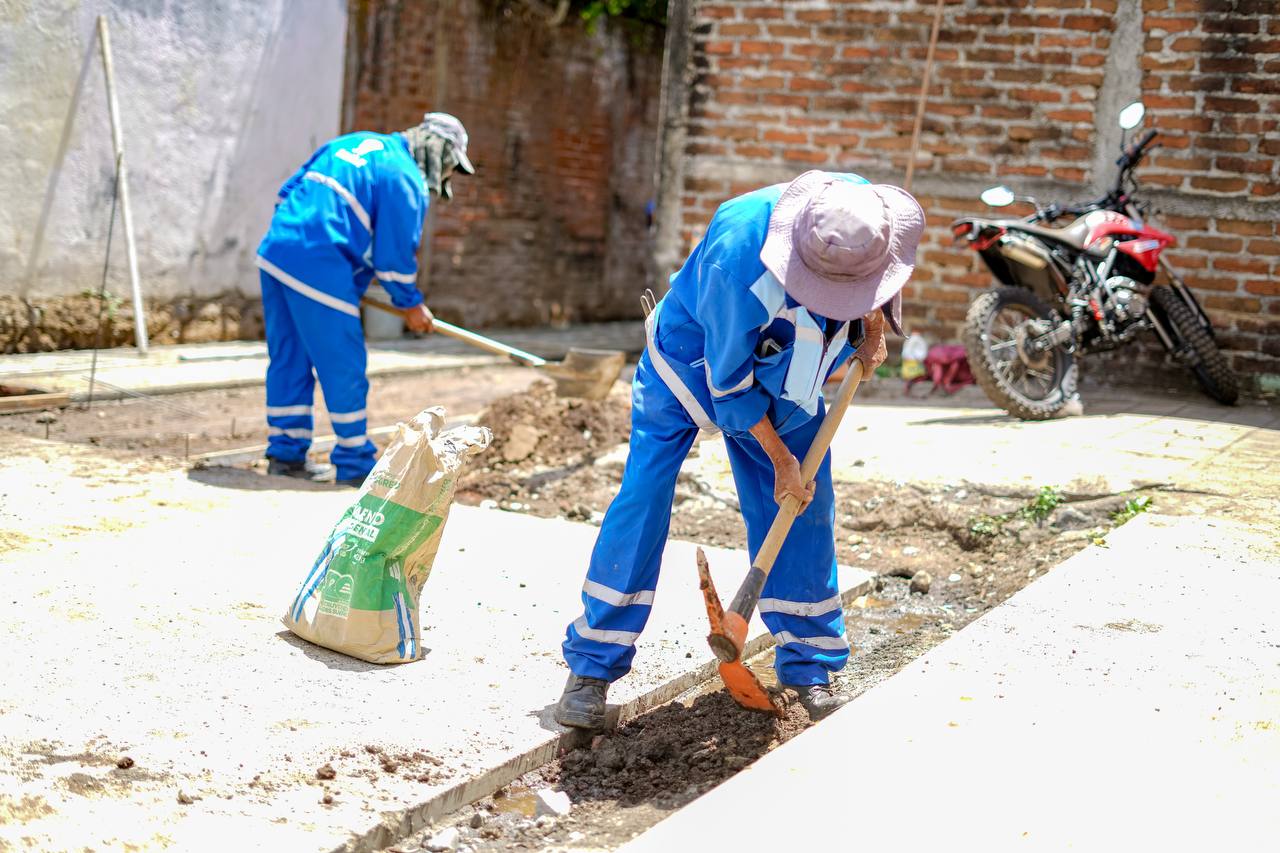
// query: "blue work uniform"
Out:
[726,346]
[351,214]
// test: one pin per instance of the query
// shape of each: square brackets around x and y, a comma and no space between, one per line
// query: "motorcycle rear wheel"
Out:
[1033,392]
[1207,361]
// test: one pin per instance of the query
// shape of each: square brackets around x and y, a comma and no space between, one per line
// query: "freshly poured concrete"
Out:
[1128,700]
[142,619]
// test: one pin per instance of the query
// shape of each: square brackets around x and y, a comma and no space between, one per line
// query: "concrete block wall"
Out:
[562,121]
[1024,93]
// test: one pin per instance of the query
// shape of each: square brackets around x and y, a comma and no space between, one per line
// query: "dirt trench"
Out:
[943,557]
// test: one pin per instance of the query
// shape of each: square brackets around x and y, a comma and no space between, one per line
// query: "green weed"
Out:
[1132,507]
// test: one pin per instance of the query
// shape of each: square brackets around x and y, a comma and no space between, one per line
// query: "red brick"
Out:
[1215,243]
[1230,105]
[749,48]
[1264,287]
[1221,185]
[1264,247]
[785,136]
[1244,305]
[1237,264]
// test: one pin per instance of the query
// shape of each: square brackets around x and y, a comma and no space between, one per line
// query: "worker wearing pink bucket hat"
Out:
[788,283]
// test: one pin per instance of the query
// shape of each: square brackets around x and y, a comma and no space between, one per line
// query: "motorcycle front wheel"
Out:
[1027,385]
[1202,354]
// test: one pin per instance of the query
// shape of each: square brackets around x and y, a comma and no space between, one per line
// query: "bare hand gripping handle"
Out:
[744,603]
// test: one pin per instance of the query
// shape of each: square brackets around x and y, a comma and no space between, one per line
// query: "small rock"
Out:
[185,798]
[857,539]
[326,771]
[953,577]
[521,442]
[921,581]
[124,762]
[477,820]
[46,418]
[544,821]
[488,503]
[975,571]
[1070,518]
[327,799]
[577,836]
[910,551]
[444,840]
[553,803]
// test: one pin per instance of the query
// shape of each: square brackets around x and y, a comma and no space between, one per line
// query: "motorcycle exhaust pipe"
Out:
[1023,255]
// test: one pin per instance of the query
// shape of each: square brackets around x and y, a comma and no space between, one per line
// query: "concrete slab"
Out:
[142,619]
[198,367]
[883,438]
[1127,700]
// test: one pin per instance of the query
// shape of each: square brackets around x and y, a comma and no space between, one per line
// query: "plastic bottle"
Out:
[914,350]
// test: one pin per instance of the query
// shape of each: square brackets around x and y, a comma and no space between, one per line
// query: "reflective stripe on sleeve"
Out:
[618,599]
[346,195]
[392,275]
[741,386]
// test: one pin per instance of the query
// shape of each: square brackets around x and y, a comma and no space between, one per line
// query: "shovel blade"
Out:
[746,689]
[586,373]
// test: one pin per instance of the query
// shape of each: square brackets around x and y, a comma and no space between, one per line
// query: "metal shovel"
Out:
[729,627]
[588,373]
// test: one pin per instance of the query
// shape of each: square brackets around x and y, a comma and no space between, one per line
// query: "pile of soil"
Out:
[539,437]
[660,755]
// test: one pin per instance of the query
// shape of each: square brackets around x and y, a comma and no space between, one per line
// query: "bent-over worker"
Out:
[755,321]
[351,214]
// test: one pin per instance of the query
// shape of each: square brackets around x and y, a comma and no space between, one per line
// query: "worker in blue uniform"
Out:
[351,214]
[758,317]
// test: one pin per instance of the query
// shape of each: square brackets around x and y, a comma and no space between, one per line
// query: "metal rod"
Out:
[37,242]
[924,95]
[117,139]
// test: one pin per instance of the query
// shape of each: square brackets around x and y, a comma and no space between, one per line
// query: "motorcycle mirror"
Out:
[1131,116]
[997,196]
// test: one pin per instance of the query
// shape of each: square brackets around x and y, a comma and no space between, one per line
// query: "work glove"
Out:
[872,351]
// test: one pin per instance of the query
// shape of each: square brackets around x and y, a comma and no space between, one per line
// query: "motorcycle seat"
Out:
[1073,235]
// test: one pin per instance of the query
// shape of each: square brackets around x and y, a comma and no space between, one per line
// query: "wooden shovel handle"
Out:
[480,341]
[749,593]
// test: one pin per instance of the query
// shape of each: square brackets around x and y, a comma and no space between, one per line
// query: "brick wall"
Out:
[1024,93]
[562,124]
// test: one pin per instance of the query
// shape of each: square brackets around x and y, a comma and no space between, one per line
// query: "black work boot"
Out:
[301,469]
[819,699]
[582,706]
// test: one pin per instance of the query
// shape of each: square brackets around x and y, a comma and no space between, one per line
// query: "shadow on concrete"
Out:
[256,481]
[332,659]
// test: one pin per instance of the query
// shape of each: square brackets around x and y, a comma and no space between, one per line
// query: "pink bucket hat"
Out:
[844,249]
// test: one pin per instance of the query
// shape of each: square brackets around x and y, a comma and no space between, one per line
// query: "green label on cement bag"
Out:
[372,539]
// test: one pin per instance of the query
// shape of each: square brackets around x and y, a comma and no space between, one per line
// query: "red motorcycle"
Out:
[1087,287]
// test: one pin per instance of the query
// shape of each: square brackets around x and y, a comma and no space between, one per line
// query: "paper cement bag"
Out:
[361,595]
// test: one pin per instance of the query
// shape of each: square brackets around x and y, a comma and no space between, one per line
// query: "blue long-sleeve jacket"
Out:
[353,212]
[734,339]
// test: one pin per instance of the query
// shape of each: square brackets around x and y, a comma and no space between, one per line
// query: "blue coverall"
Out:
[726,346]
[352,213]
